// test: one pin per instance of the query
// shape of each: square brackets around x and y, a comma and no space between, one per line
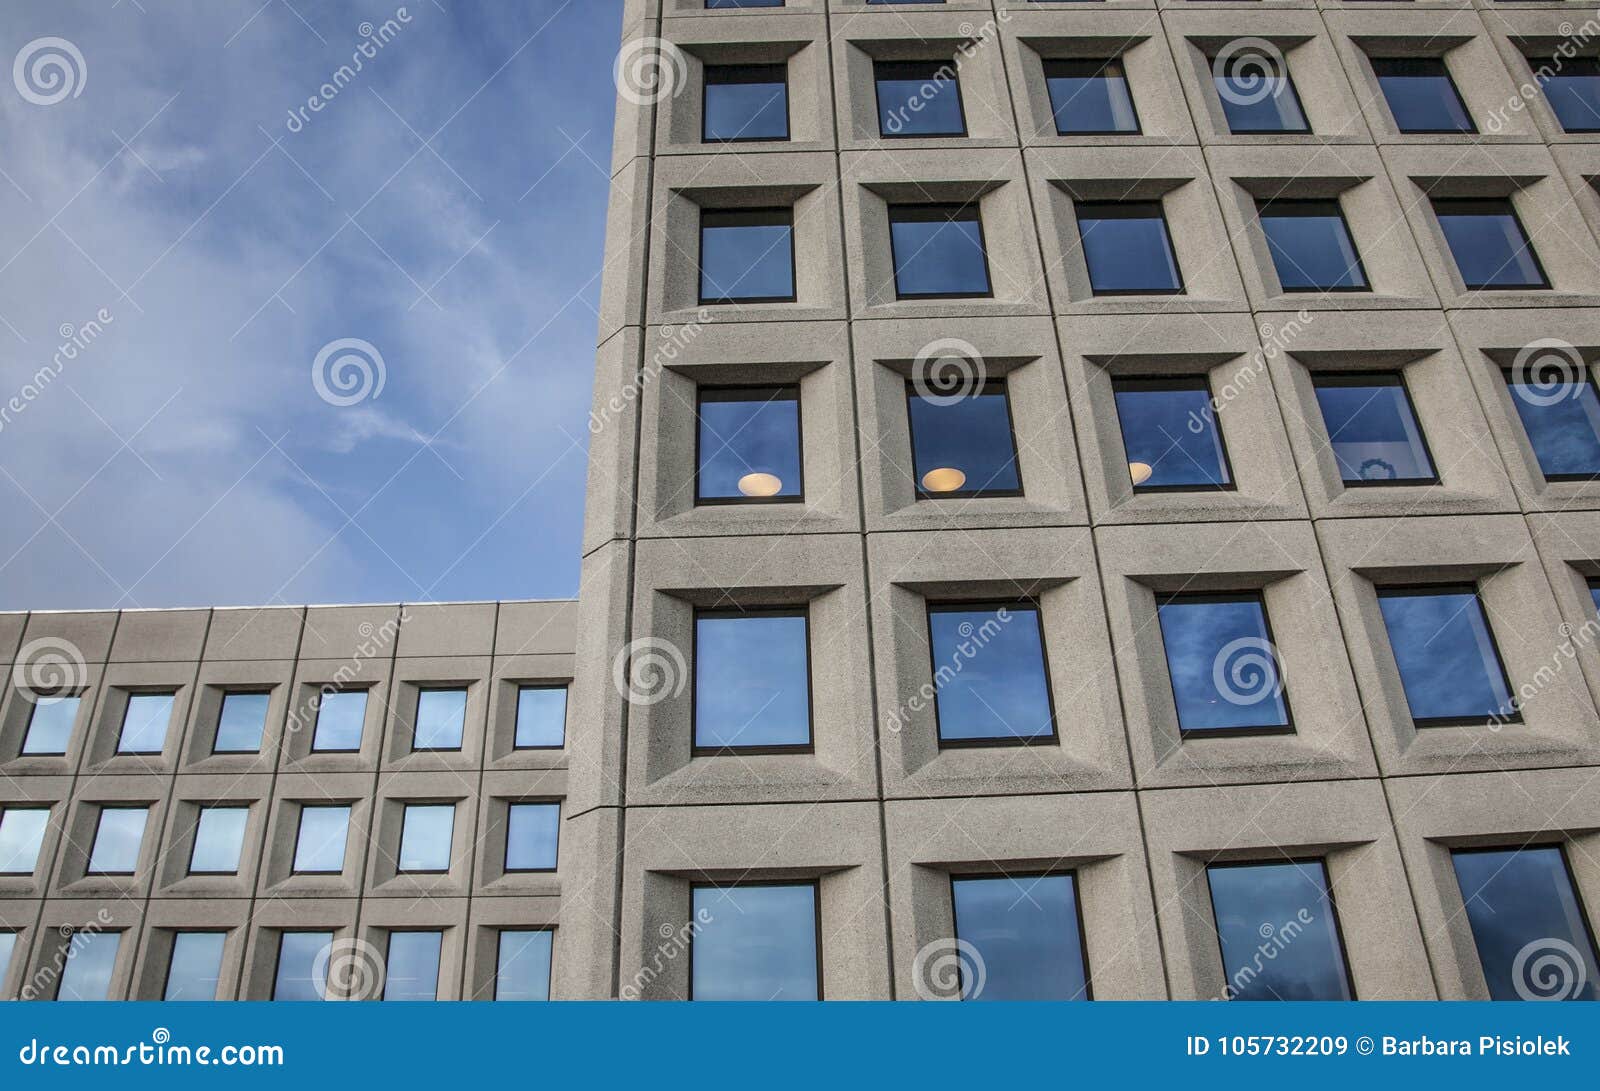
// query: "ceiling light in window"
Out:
[943,479]
[760,484]
[1140,472]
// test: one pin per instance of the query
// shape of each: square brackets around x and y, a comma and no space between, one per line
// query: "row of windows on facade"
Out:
[1276,923]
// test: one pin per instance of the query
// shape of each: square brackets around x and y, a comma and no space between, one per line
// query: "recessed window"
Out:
[50,725]
[320,843]
[1170,434]
[919,98]
[963,445]
[425,837]
[714,4]
[938,252]
[1571,86]
[747,255]
[746,102]
[752,680]
[991,683]
[241,723]
[1372,429]
[1594,594]
[1090,97]
[1223,664]
[144,723]
[1524,911]
[1311,246]
[541,717]
[91,962]
[1028,936]
[1127,248]
[532,831]
[218,840]
[411,972]
[8,944]
[302,966]
[441,719]
[195,966]
[748,445]
[1489,246]
[755,942]
[522,964]
[1562,422]
[1421,95]
[1258,95]
[21,837]
[1449,664]
[341,715]
[1279,932]
[117,839]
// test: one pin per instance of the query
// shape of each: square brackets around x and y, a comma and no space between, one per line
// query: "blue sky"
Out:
[445,205]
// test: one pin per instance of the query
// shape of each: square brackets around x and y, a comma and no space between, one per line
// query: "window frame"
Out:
[566,706]
[438,969]
[416,715]
[499,935]
[505,861]
[937,63]
[1560,845]
[1423,590]
[1510,209]
[277,963]
[1265,204]
[299,832]
[715,613]
[705,93]
[1333,905]
[1045,64]
[400,845]
[72,729]
[1186,734]
[958,606]
[986,388]
[1450,81]
[166,977]
[1378,378]
[815,883]
[1535,64]
[166,732]
[1160,205]
[89,870]
[1176,382]
[1516,414]
[194,844]
[49,810]
[324,691]
[1281,63]
[700,257]
[222,707]
[800,443]
[1072,873]
[954,212]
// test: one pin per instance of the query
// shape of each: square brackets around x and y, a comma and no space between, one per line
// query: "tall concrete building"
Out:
[1086,500]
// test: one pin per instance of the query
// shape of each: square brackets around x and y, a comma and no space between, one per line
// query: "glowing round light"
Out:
[1140,472]
[943,479]
[759,484]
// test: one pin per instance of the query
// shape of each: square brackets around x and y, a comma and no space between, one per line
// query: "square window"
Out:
[441,719]
[747,255]
[745,102]
[50,725]
[425,838]
[320,843]
[1421,95]
[1028,936]
[748,445]
[144,723]
[938,252]
[1373,430]
[1127,248]
[1522,903]
[117,840]
[21,837]
[218,840]
[341,715]
[755,942]
[241,723]
[1449,664]
[91,962]
[1257,94]
[532,831]
[1489,246]
[411,972]
[1223,664]
[991,681]
[963,446]
[522,964]
[1090,97]
[752,681]
[919,98]
[1562,422]
[195,966]
[1571,85]
[1288,908]
[302,966]
[1170,434]
[541,717]
[1311,246]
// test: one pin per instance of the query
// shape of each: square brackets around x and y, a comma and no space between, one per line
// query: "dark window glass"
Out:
[1594,594]
[1448,661]
[241,723]
[1090,96]
[1571,86]
[22,832]
[411,971]
[755,942]
[1311,246]
[1170,434]
[1279,932]
[1373,430]
[938,252]
[425,837]
[963,446]
[1026,937]
[117,840]
[746,102]
[1257,95]
[320,841]
[1223,663]
[1421,95]
[218,840]
[710,4]
[541,717]
[91,960]
[50,725]
[1533,939]
[989,675]
[522,966]
[441,719]
[144,723]
[302,966]
[1127,248]
[532,830]
[340,717]
[752,680]
[1562,421]
[747,255]
[1488,243]
[919,98]
[749,445]
[195,966]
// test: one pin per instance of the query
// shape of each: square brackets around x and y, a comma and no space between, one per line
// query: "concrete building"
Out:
[1085,500]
